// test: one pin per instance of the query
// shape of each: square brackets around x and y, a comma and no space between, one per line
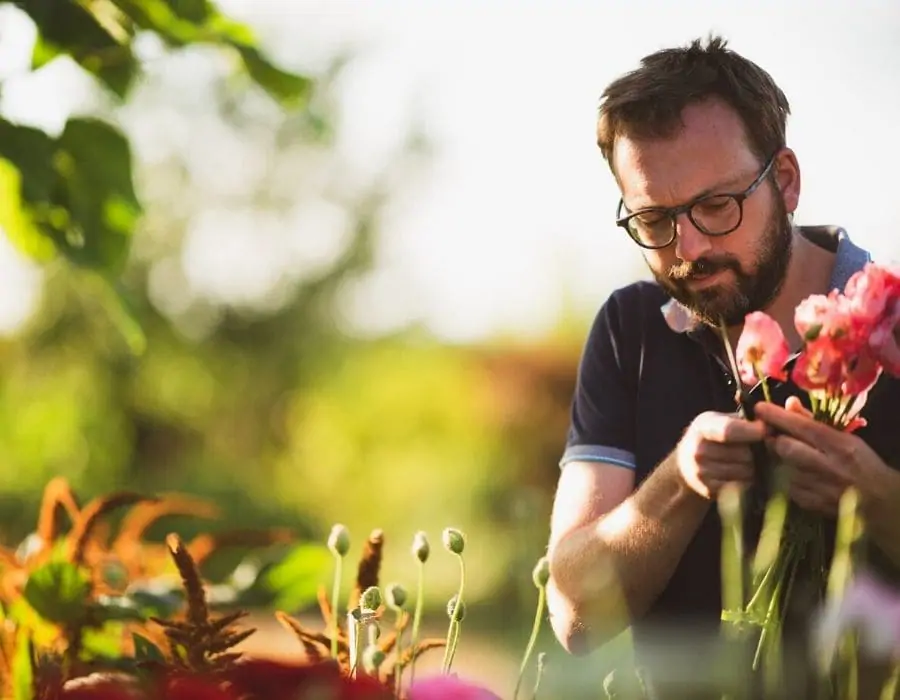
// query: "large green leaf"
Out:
[58,592]
[93,163]
[182,22]
[296,580]
[97,39]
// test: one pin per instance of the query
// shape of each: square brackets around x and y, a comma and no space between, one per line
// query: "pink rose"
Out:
[762,350]
[870,292]
[448,688]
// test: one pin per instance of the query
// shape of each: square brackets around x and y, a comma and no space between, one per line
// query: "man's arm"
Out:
[612,552]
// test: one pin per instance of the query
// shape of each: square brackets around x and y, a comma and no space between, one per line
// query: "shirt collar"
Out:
[848,260]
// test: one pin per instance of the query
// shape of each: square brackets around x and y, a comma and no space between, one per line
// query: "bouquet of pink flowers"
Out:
[849,339]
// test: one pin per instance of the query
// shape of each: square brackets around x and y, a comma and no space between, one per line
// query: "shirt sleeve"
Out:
[602,419]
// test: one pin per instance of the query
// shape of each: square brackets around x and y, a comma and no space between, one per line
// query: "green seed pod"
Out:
[372,659]
[454,540]
[420,547]
[339,540]
[371,598]
[541,573]
[452,606]
[396,596]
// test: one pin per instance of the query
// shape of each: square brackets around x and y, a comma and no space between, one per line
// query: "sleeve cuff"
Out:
[598,453]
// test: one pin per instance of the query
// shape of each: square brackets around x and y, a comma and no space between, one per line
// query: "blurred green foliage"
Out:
[266,406]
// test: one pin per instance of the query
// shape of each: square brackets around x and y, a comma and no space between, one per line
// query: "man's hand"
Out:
[824,461]
[715,451]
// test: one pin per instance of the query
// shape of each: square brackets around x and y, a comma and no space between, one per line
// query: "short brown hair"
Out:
[648,101]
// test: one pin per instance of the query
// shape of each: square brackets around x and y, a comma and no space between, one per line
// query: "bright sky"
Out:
[515,214]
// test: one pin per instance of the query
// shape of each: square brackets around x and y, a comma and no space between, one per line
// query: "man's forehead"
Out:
[664,175]
[709,151]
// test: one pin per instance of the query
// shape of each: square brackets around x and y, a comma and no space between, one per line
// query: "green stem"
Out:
[453,630]
[540,673]
[398,645]
[417,619]
[335,595]
[762,380]
[542,596]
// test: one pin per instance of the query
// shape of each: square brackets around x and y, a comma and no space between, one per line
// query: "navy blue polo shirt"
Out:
[647,370]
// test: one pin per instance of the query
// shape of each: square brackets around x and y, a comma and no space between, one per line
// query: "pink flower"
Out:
[869,292]
[819,367]
[884,340]
[448,688]
[762,350]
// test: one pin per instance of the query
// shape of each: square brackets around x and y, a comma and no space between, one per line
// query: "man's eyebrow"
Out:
[724,187]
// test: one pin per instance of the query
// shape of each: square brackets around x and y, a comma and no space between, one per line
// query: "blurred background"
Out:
[369,308]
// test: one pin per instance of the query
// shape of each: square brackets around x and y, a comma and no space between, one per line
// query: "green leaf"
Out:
[163,18]
[16,217]
[23,667]
[104,643]
[58,592]
[145,650]
[196,11]
[289,89]
[93,162]
[95,38]
[295,580]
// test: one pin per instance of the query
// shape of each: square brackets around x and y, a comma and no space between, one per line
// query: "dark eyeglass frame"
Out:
[672,213]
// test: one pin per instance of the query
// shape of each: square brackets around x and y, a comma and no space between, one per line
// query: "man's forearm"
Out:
[626,558]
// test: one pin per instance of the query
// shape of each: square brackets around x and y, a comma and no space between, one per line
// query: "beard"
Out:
[752,290]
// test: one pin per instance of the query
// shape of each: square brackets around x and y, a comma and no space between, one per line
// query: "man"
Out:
[695,138]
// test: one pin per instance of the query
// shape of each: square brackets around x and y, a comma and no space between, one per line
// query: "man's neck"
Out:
[809,272]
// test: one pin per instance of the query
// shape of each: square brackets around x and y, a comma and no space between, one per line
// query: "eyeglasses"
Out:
[713,215]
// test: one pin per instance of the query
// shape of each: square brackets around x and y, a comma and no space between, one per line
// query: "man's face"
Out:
[716,277]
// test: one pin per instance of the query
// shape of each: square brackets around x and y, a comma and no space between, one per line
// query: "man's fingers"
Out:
[724,428]
[725,452]
[795,405]
[725,472]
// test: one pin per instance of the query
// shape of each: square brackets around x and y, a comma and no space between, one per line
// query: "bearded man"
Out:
[695,139]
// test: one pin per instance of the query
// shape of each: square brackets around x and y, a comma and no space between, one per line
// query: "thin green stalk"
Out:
[732,548]
[540,674]
[453,629]
[398,650]
[335,596]
[417,618]
[762,380]
[542,597]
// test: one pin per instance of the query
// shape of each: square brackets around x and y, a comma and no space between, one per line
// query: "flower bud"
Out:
[371,598]
[339,540]
[452,606]
[396,596]
[541,573]
[372,659]
[420,548]
[454,540]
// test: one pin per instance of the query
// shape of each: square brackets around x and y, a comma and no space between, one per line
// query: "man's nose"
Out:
[690,242]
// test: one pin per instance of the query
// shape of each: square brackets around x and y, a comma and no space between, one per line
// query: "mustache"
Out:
[705,266]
